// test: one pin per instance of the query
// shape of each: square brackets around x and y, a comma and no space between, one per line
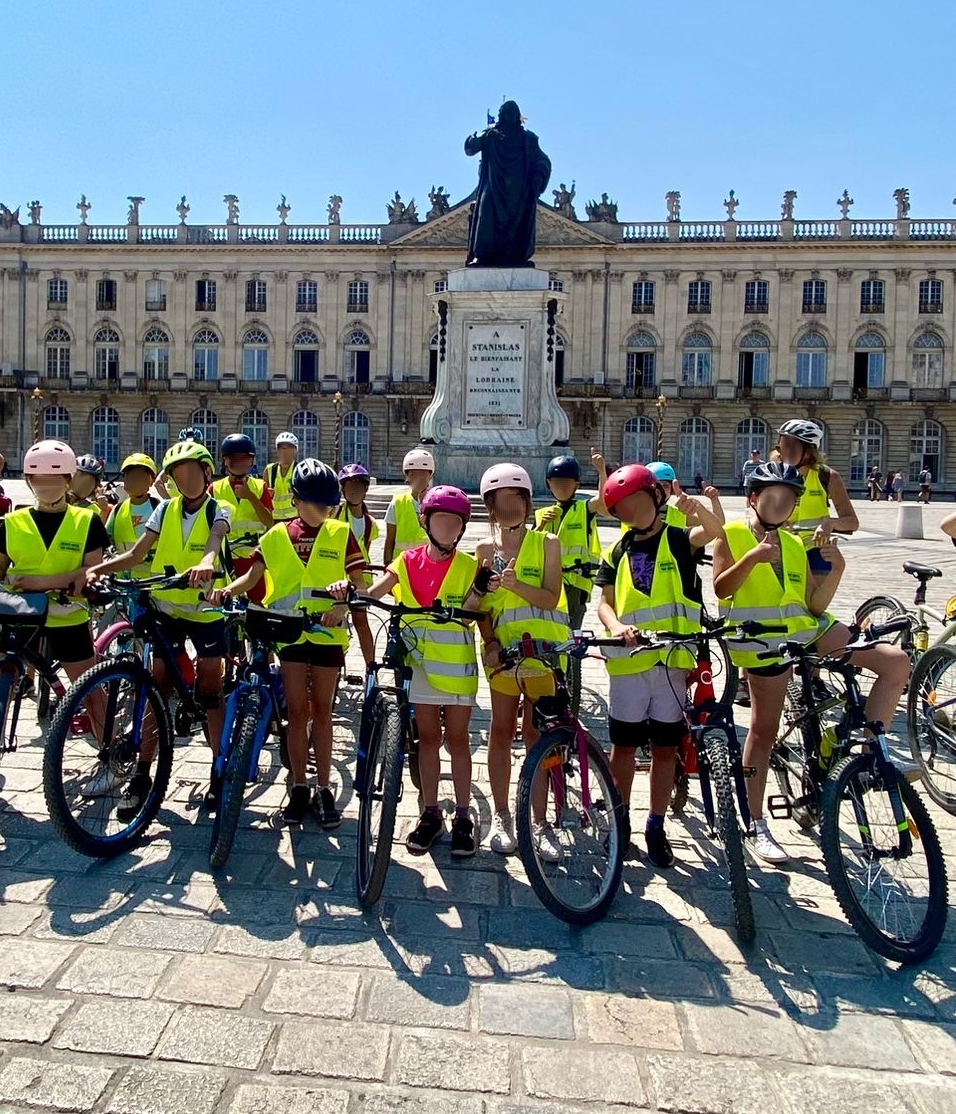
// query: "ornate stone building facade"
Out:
[698,337]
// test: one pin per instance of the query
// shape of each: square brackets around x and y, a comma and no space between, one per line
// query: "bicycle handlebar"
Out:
[860,639]
[110,586]
[437,610]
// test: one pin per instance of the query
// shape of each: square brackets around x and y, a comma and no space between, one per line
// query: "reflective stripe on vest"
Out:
[665,608]
[244,518]
[445,651]
[289,582]
[172,550]
[281,488]
[812,508]
[577,543]
[408,529]
[125,538]
[764,599]
[29,556]
[513,616]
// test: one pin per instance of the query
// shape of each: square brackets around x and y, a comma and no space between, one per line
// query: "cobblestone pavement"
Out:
[148,983]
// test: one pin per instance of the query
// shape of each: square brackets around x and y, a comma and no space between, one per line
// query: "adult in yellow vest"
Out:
[127,521]
[521,588]
[403,527]
[314,550]
[250,500]
[278,476]
[354,481]
[649,582]
[761,572]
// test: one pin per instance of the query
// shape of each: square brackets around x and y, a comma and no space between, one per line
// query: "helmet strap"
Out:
[444,550]
[764,523]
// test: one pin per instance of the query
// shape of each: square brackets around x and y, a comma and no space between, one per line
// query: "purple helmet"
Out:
[355,472]
[450,499]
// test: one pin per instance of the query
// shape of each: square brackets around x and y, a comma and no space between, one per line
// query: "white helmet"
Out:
[803,429]
[287,438]
[416,459]
[505,475]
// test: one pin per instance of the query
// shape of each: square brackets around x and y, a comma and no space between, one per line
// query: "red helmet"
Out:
[449,499]
[625,481]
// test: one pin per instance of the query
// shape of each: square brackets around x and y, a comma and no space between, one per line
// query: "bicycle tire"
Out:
[855,780]
[60,736]
[886,607]
[717,751]
[9,680]
[242,741]
[574,684]
[383,784]
[930,725]
[727,681]
[117,639]
[603,828]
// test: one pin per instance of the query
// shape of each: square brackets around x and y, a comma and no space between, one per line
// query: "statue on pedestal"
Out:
[440,203]
[786,209]
[232,208]
[564,201]
[84,207]
[335,204]
[35,210]
[399,212]
[603,210]
[845,201]
[730,204]
[672,200]
[283,209]
[182,209]
[902,199]
[132,217]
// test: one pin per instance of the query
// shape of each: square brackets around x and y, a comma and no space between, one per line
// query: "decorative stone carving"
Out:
[786,209]
[280,276]
[35,209]
[728,276]
[440,203]
[564,201]
[730,204]
[604,211]
[672,199]
[84,207]
[902,199]
[902,274]
[335,204]
[671,277]
[399,212]
[844,274]
[130,276]
[332,277]
[182,209]
[81,276]
[283,209]
[132,217]
[230,276]
[9,218]
[180,276]
[844,201]
[232,208]
[785,275]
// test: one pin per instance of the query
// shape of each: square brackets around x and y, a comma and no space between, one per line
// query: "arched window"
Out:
[305,425]
[106,354]
[926,449]
[106,434]
[639,441]
[56,423]
[255,424]
[812,360]
[355,439]
[693,448]
[305,356]
[696,361]
[207,421]
[154,430]
[866,449]
[433,360]
[928,363]
[255,356]
[751,434]
[558,364]
[58,354]
[357,347]
[156,355]
[869,364]
[206,356]
[640,361]
[753,362]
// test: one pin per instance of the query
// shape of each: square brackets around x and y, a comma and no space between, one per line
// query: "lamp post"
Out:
[337,403]
[37,397]
[661,405]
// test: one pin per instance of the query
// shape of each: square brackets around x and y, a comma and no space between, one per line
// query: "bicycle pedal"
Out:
[779,807]
[749,771]
[354,679]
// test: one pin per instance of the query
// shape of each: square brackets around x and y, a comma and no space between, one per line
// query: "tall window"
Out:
[156,355]
[871,296]
[207,422]
[156,295]
[56,423]
[698,296]
[751,434]
[554,283]
[757,296]
[931,296]
[255,424]
[693,448]
[255,356]
[57,292]
[206,355]
[154,429]
[558,365]
[696,361]
[928,360]
[305,356]
[812,361]
[355,439]
[642,296]
[255,296]
[640,360]
[640,441]
[106,294]
[206,295]
[753,362]
[868,364]
[305,425]
[106,354]
[357,349]
[106,432]
[926,449]
[866,449]
[58,354]
[433,360]
[358,296]
[815,296]
[306,296]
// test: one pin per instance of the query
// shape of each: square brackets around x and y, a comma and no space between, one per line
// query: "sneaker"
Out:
[821,691]
[430,829]
[546,843]
[503,834]
[323,805]
[102,783]
[764,846]
[462,837]
[135,797]
[742,699]
[211,798]
[659,848]
[297,806]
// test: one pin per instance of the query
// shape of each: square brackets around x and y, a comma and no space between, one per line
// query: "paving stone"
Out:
[855,994]
[172,934]
[525,1011]
[247,906]
[583,972]
[28,1019]
[194,899]
[207,1036]
[426,919]
[641,1022]
[15,919]
[832,1089]
[422,1003]
[123,974]
[152,1090]
[740,1030]
[346,1050]
[625,939]
[858,1040]
[210,980]
[819,953]
[689,1085]
[349,949]
[270,942]
[313,993]
[930,1096]
[454,1063]
[518,927]
[676,979]
[53,1086]
[19,885]
[933,1043]
[124,1028]
[583,1074]
[257,1098]
[75,925]
[29,963]
[434,1103]
[80,891]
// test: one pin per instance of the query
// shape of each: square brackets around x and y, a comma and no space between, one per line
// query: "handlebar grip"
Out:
[892,626]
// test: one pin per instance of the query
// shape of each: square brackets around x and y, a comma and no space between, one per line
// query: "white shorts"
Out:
[422,691]
[658,693]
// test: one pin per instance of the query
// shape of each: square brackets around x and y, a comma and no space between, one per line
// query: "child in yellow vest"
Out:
[314,550]
[649,582]
[403,528]
[250,500]
[354,480]
[127,521]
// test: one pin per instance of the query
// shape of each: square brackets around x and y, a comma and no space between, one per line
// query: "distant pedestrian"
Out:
[925,486]
[699,483]
[888,486]
[898,484]
[874,484]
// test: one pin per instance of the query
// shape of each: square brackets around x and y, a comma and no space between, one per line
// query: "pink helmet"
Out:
[505,475]
[450,499]
[418,459]
[49,458]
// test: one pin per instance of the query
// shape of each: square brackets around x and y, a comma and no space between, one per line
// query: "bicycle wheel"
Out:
[726,677]
[92,750]
[378,801]
[872,612]
[242,742]
[574,684]
[717,751]
[894,896]
[799,736]
[580,887]
[931,720]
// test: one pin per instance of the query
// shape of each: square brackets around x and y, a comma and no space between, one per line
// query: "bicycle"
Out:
[930,723]
[876,834]
[916,639]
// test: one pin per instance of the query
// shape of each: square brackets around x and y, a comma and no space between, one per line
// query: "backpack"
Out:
[925,477]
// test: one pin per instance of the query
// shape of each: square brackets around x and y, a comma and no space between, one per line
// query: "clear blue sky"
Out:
[164,97]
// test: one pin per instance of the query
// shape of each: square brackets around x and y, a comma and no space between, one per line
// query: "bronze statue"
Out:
[514,172]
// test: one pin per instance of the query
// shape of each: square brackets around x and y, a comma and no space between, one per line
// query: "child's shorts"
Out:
[658,693]
[422,691]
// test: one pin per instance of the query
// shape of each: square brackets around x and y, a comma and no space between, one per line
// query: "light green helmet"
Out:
[182,451]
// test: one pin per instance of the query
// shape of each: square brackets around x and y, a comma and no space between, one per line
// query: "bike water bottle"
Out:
[921,639]
[827,743]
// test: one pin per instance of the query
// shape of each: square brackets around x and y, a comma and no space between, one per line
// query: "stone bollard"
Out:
[909,521]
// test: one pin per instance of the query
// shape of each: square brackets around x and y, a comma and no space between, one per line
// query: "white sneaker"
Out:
[102,783]
[503,834]
[765,846]
[546,843]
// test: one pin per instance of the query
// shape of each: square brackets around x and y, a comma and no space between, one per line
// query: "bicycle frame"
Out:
[257,674]
[11,697]
[393,659]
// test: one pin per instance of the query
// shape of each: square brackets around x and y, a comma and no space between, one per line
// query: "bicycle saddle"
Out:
[921,572]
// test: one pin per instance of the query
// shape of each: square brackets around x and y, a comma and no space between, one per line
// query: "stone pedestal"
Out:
[495,398]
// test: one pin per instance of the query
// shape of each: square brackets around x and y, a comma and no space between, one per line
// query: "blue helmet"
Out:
[663,472]
[315,482]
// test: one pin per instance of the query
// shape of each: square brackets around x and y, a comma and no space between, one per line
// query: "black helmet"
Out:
[564,468]
[89,464]
[315,482]
[772,474]
[238,443]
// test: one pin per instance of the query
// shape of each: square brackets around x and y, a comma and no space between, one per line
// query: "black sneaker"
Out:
[134,798]
[659,848]
[462,837]
[323,804]
[211,799]
[429,829]
[298,805]
[742,699]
